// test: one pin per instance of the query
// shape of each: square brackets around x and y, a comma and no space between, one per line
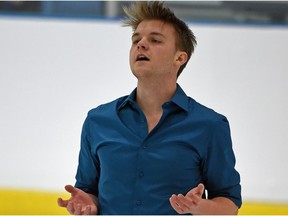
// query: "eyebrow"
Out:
[136,34]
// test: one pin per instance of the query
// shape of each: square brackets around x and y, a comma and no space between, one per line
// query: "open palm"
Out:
[80,202]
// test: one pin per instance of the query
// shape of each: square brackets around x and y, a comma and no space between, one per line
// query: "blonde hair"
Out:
[155,10]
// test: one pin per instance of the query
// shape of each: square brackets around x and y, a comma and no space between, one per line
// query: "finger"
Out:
[78,209]
[70,189]
[195,199]
[70,208]
[175,204]
[87,210]
[62,203]
[184,203]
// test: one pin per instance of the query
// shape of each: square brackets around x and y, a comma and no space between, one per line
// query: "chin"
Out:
[140,72]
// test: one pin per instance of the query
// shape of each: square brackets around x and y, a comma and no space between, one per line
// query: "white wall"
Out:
[53,71]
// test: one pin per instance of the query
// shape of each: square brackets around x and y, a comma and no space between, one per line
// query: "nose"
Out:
[142,44]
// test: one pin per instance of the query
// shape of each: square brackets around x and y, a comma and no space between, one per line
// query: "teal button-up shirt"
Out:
[132,171]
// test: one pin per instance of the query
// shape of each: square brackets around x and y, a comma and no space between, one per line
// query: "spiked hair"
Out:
[155,10]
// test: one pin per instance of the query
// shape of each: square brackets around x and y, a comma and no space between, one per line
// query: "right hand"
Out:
[80,202]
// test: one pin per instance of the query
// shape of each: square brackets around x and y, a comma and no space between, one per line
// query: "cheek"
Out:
[166,59]
[131,56]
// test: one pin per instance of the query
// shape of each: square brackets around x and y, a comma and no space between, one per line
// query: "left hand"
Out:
[190,203]
[80,203]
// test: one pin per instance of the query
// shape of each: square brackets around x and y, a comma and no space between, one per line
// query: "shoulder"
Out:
[202,112]
[102,114]
[208,119]
[215,125]
[107,108]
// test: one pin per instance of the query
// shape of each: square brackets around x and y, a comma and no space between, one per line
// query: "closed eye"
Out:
[136,41]
[153,40]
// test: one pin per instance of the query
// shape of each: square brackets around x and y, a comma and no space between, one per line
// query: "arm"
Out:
[80,203]
[193,203]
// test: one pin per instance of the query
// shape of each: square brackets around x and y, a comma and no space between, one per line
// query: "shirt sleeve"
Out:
[88,166]
[219,173]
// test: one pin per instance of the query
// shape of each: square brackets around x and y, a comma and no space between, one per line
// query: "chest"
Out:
[152,121]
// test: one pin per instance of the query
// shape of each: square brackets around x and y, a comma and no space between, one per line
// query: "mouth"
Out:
[142,57]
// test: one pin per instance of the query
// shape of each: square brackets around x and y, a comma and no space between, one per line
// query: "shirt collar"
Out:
[179,98]
[130,98]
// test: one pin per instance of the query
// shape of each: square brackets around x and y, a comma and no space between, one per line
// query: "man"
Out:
[156,150]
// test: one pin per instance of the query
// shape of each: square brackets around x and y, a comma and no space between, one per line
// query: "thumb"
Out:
[70,189]
[200,189]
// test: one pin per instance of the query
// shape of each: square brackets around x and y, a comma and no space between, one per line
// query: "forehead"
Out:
[155,26]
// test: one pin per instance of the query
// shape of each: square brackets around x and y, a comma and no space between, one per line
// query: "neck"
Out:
[150,96]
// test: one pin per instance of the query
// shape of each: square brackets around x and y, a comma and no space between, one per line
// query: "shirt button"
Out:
[138,202]
[144,146]
[141,174]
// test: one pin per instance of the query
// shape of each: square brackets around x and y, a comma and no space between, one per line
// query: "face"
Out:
[153,52]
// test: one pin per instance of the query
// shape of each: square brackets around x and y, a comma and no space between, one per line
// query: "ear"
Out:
[181,58]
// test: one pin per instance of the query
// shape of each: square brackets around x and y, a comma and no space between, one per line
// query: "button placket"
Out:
[138,202]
